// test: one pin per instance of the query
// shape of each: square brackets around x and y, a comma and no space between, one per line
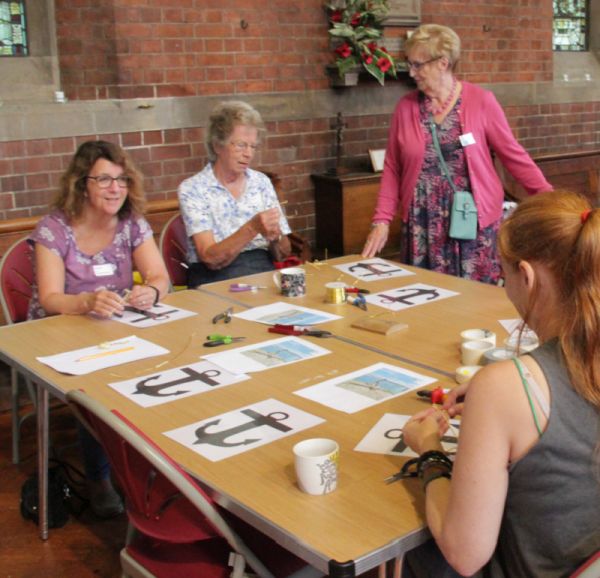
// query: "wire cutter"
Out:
[298,330]
[358,301]
[357,290]
[225,316]
[216,339]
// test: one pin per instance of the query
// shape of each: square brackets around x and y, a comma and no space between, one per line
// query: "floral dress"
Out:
[425,241]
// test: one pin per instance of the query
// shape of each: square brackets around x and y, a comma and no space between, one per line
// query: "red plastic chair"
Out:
[16,282]
[175,527]
[589,569]
[172,244]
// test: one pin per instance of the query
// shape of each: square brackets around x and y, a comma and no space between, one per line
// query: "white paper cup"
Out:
[472,351]
[478,335]
[317,463]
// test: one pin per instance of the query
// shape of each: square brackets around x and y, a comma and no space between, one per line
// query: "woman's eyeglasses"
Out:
[418,65]
[240,145]
[105,181]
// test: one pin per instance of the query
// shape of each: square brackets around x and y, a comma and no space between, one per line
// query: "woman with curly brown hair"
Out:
[85,252]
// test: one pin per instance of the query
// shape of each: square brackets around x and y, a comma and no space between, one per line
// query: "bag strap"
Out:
[438,150]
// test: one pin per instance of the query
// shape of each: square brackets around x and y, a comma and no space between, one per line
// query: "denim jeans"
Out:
[95,462]
[246,263]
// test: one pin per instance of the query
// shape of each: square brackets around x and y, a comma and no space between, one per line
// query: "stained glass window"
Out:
[571,22]
[13,34]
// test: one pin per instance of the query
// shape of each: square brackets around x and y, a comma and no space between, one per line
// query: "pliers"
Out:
[225,316]
[357,290]
[298,330]
[358,301]
[216,339]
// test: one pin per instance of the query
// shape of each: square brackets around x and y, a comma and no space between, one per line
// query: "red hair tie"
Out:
[585,215]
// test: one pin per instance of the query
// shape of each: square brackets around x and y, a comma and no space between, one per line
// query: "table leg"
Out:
[42,443]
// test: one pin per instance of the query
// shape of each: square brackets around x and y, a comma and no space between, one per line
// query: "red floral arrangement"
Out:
[356,26]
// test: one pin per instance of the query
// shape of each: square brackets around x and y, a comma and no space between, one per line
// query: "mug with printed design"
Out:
[291,281]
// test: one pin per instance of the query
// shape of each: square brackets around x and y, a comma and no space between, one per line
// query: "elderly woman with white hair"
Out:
[439,170]
[234,222]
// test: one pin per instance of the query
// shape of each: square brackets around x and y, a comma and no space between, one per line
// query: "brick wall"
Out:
[155,48]
[293,150]
[147,48]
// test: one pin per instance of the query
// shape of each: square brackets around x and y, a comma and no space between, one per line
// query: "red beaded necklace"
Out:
[440,110]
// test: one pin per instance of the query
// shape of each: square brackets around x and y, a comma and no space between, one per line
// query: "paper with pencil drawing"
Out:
[176,383]
[386,437]
[103,355]
[156,315]
[373,269]
[237,431]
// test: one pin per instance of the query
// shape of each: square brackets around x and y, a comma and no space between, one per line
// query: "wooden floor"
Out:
[86,546]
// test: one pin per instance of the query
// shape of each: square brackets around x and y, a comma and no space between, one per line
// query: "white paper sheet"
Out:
[176,383]
[243,429]
[267,354]
[286,314]
[156,315]
[409,296]
[360,389]
[373,269]
[386,437]
[103,355]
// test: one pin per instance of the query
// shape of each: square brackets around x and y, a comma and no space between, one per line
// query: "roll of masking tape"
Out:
[498,354]
[335,292]
[472,351]
[527,342]
[478,335]
[465,372]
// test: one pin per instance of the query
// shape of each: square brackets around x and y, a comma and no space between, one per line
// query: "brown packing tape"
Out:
[383,325]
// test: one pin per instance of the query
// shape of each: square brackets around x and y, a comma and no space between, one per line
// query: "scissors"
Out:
[225,316]
[216,339]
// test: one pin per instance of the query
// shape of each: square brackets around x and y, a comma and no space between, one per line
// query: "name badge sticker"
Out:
[467,139]
[104,270]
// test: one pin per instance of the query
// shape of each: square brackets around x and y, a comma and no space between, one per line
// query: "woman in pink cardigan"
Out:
[470,124]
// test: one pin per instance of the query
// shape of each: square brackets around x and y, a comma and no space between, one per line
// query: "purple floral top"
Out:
[109,269]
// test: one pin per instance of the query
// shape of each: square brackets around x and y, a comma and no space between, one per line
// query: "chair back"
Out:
[172,244]
[589,569]
[162,501]
[16,281]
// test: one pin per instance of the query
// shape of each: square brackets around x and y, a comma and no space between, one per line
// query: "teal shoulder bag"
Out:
[463,214]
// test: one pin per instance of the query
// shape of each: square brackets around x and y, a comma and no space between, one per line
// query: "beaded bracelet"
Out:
[432,458]
[157,296]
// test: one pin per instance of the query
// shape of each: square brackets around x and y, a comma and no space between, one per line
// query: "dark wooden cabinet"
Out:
[344,206]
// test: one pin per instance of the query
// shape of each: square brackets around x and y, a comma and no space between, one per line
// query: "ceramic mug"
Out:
[291,281]
[317,463]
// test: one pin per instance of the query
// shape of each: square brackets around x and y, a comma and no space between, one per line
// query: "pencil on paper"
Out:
[105,353]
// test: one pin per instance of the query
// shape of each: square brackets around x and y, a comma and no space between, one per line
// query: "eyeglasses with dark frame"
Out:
[418,65]
[106,181]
